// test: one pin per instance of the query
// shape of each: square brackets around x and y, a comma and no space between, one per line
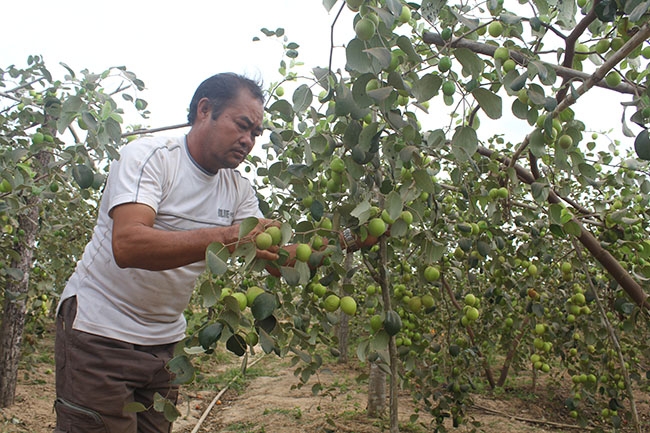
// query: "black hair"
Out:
[221,89]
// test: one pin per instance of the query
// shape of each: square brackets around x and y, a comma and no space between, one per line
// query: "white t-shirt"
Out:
[146,307]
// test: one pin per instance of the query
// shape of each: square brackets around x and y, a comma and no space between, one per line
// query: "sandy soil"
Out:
[267,400]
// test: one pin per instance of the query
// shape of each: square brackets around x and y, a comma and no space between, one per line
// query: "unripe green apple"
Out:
[303,252]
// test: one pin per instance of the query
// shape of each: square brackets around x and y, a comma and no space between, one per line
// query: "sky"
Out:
[172,46]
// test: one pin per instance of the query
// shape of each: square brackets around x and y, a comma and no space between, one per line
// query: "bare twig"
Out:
[152,130]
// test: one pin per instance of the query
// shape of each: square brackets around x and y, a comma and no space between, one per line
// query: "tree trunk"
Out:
[15,300]
[392,347]
[344,322]
[376,391]
[13,318]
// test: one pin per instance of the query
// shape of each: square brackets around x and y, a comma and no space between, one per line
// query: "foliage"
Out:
[56,138]
[548,232]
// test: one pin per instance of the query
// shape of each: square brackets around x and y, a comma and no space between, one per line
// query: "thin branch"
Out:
[597,77]
[613,337]
[152,130]
[488,50]
[569,47]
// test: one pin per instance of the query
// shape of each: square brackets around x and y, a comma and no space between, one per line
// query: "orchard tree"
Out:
[56,137]
[496,254]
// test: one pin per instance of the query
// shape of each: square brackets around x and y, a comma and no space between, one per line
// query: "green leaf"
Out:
[588,171]
[83,175]
[209,335]
[423,180]
[283,108]
[394,204]
[639,11]
[236,344]
[426,87]
[489,102]
[246,226]
[464,143]
[263,306]
[472,64]
[266,341]
[302,98]
[329,4]
[214,263]
[182,368]
[134,406]
[540,191]
[381,54]
[566,17]
[572,228]
[555,212]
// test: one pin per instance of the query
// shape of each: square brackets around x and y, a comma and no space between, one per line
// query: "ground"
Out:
[267,400]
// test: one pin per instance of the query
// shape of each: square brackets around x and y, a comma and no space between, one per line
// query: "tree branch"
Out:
[564,72]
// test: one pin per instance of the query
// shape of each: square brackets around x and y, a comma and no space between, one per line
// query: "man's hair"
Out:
[221,89]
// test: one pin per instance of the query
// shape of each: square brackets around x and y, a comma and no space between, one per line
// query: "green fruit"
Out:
[331,303]
[565,267]
[407,217]
[540,329]
[502,54]
[279,91]
[502,192]
[392,322]
[431,274]
[613,79]
[470,299]
[602,46]
[263,241]
[372,84]
[385,216]
[319,289]
[415,304]
[581,52]
[365,29]
[252,338]
[448,88]
[509,65]
[275,233]
[348,305]
[354,4]
[472,313]
[376,227]
[495,29]
[427,301]
[241,300]
[532,270]
[337,165]
[565,141]
[581,3]
[251,293]
[405,15]
[645,52]
[38,138]
[376,322]
[446,34]
[303,252]
[444,64]
[617,43]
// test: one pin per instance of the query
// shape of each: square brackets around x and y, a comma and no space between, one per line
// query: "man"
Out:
[165,201]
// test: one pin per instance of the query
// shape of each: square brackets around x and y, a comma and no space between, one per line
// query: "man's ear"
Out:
[203,108]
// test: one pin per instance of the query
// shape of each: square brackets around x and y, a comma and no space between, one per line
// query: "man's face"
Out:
[228,139]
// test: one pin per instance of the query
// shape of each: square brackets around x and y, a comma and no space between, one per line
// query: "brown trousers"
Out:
[96,376]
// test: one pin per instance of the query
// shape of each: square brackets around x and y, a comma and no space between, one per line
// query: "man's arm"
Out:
[136,244]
